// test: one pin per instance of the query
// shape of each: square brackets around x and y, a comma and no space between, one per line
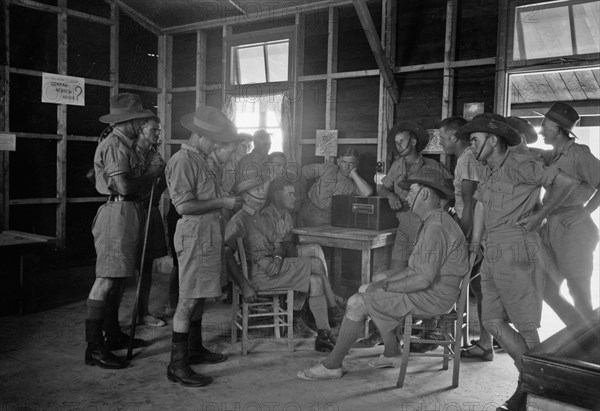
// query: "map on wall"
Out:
[326,143]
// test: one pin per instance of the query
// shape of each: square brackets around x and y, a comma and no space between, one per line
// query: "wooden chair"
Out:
[450,326]
[267,305]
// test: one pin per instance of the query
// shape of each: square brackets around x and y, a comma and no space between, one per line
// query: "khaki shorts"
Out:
[513,277]
[572,249]
[117,231]
[198,242]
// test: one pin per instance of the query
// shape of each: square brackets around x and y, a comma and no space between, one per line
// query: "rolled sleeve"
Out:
[182,182]
[391,176]
[116,160]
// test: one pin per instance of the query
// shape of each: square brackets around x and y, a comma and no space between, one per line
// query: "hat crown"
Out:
[210,122]
[126,103]
[249,178]
[432,177]
[564,115]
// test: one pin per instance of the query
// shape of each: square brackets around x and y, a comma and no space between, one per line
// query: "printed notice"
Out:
[327,143]
[59,89]
[8,142]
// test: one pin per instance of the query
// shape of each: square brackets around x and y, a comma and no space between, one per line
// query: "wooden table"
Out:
[16,244]
[366,241]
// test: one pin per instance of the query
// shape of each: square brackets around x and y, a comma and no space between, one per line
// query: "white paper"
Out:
[59,89]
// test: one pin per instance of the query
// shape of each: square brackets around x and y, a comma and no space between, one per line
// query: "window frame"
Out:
[511,35]
[256,37]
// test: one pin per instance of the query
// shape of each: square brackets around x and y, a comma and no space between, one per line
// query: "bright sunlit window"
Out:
[556,29]
[265,62]
[252,114]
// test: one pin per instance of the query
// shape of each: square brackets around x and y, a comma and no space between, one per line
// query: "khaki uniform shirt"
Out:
[399,172]
[116,154]
[510,190]
[329,182]
[189,177]
[467,168]
[577,161]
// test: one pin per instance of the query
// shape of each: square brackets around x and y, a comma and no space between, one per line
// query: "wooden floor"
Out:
[41,367]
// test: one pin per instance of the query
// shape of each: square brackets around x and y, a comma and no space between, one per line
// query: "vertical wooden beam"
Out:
[114,49]
[61,146]
[449,54]
[224,72]
[332,55]
[298,91]
[4,125]
[500,101]
[200,67]
[165,58]
[385,119]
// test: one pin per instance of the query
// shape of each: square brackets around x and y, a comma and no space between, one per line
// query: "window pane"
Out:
[276,139]
[587,27]
[251,63]
[544,33]
[278,61]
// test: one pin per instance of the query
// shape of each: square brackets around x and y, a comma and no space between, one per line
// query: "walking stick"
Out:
[139,282]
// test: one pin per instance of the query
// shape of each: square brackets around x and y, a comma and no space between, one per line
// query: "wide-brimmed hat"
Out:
[209,122]
[420,132]
[564,115]
[524,127]
[432,177]
[490,123]
[124,107]
[249,179]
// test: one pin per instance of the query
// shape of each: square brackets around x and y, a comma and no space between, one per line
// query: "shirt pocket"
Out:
[501,194]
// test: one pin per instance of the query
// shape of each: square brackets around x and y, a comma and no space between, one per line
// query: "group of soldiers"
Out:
[492,208]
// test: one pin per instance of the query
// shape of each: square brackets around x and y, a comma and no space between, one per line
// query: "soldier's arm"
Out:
[235,273]
[466,220]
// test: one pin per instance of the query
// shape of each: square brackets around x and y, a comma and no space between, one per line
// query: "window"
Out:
[253,113]
[557,29]
[265,62]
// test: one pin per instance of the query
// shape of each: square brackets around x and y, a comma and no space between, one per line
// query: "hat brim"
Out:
[509,134]
[220,135]
[440,187]
[248,184]
[119,118]
[422,134]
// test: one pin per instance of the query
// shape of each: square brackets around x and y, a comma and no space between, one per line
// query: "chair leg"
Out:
[456,366]
[290,320]
[406,350]
[244,328]
[234,310]
[276,316]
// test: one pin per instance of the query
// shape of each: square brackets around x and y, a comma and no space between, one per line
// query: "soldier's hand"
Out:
[231,202]
[395,202]
[274,268]
[249,294]
[572,220]
[531,222]
[378,285]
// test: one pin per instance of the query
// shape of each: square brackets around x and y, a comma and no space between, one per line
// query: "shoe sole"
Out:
[175,379]
[92,362]
[302,375]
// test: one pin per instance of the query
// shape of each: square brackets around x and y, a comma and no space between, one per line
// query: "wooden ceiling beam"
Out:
[382,62]
[257,17]
[142,20]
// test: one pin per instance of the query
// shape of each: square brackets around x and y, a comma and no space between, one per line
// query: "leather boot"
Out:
[517,402]
[120,341]
[96,352]
[197,354]
[324,341]
[179,368]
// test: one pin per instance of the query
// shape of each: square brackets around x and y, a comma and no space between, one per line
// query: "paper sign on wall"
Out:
[326,143]
[8,142]
[59,89]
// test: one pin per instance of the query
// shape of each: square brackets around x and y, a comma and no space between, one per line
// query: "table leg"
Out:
[365,277]
[337,269]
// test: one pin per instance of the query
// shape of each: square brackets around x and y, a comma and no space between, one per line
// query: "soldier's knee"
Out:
[355,309]
[316,283]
